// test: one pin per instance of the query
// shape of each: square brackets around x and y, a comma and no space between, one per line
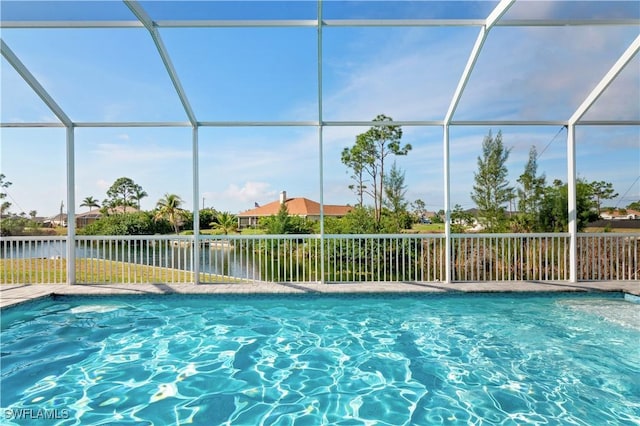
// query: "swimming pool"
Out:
[347,359]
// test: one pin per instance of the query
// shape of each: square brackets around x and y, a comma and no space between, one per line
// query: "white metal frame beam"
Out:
[71,205]
[69,149]
[491,20]
[608,78]
[572,206]
[34,84]
[435,123]
[320,140]
[302,23]
[195,168]
[140,13]
[151,26]
[259,123]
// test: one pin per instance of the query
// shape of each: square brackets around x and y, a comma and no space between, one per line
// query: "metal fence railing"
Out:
[334,258]
[276,258]
[25,260]
[377,258]
[135,259]
[510,257]
[608,256]
[315,258]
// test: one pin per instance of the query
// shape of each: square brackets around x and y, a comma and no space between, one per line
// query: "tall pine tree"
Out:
[530,192]
[491,190]
[367,158]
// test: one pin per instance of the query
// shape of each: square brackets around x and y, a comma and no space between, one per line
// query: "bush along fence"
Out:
[315,258]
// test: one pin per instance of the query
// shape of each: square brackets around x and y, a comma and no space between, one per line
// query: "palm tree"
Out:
[226,222]
[90,202]
[168,207]
[138,195]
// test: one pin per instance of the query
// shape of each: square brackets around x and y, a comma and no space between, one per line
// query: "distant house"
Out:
[621,214]
[302,207]
[40,220]
[87,218]
[58,220]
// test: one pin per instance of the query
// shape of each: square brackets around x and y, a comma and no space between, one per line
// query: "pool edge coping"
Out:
[19,294]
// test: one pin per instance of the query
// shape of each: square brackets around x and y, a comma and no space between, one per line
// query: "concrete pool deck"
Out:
[12,294]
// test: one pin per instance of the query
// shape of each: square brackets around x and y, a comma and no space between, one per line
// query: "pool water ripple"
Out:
[326,360]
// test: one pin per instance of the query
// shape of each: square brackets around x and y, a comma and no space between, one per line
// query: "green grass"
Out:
[428,228]
[189,232]
[210,232]
[612,230]
[45,271]
[253,231]
[418,228]
[219,232]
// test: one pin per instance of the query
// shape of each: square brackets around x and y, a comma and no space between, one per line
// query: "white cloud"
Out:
[532,9]
[541,73]
[103,184]
[411,77]
[522,73]
[238,198]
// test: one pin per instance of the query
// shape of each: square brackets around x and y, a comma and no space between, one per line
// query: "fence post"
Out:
[195,253]
[447,208]
[71,207]
[572,204]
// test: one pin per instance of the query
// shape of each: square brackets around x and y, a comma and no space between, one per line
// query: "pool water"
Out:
[336,360]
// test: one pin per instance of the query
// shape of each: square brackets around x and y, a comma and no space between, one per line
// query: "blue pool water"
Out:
[336,360]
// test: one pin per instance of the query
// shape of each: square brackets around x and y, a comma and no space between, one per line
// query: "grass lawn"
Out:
[95,271]
[612,230]
[427,228]
[246,231]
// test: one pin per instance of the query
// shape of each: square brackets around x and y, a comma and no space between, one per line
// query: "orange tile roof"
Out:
[91,214]
[619,213]
[297,207]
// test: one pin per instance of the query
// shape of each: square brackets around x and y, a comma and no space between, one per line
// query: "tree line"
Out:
[121,213]
[540,207]
[380,206]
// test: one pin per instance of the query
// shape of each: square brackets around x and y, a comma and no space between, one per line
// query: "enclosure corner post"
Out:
[447,206]
[71,207]
[320,141]
[195,253]
[572,204]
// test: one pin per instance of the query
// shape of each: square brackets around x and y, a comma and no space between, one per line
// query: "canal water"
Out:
[214,259]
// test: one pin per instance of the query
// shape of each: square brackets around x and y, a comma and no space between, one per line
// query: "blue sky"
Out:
[263,74]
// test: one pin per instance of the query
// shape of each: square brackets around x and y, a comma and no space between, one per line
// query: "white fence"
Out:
[33,260]
[510,257]
[610,257]
[312,258]
[309,258]
[138,259]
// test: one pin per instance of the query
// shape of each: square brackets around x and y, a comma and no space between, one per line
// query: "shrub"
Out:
[21,226]
[139,223]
